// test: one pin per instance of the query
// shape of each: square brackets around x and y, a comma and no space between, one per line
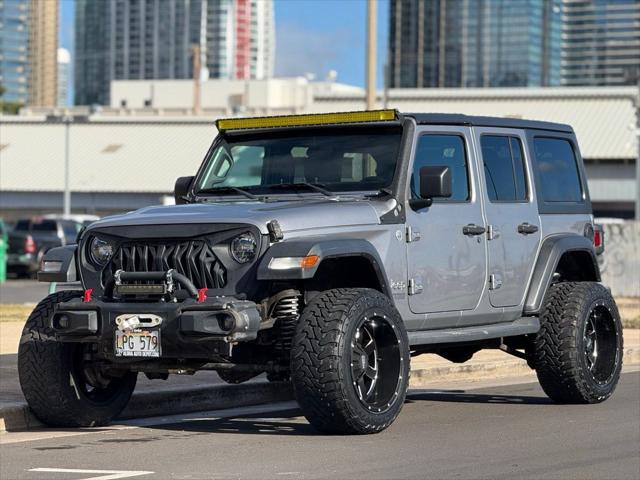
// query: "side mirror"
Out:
[435,182]
[181,189]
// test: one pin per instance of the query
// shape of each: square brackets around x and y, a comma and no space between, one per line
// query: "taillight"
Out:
[597,239]
[29,245]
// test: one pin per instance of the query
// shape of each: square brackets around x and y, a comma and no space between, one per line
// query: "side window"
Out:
[503,168]
[442,150]
[559,178]
[70,229]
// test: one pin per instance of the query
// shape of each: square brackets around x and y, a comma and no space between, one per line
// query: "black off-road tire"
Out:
[321,361]
[50,377]
[561,348]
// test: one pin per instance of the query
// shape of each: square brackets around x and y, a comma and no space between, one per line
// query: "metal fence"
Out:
[620,264]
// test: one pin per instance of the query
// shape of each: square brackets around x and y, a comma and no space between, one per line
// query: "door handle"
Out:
[472,229]
[527,229]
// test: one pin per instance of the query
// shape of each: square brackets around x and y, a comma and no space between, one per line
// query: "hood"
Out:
[292,215]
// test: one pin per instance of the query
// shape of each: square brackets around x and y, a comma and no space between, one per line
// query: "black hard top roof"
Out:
[470,120]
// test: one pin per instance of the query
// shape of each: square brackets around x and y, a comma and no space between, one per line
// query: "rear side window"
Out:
[504,168]
[442,150]
[558,170]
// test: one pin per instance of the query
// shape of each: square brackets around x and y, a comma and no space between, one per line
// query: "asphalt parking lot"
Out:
[501,431]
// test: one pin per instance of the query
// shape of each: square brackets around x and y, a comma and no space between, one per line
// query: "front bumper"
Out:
[189,329]
[22,261]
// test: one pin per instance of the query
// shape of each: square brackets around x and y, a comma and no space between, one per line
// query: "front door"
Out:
[512,214]
[446,247]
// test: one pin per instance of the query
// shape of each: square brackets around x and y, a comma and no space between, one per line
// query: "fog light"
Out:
[226,323]
[63,321]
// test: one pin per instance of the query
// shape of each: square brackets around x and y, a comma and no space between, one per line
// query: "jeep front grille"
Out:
[193,258]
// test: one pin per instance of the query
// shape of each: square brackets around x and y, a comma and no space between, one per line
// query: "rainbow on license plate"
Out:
[138,343]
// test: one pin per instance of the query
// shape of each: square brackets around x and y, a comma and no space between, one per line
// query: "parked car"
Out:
[82,219]
[32,237]
[328,250]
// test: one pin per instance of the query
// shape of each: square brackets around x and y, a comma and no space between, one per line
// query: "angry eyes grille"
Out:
[193,258]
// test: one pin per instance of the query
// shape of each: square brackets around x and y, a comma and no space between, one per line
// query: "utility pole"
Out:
[637,212]
[371,54]
[196,79]
[66,202]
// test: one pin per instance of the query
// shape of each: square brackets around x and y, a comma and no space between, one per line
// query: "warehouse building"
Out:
[122,159]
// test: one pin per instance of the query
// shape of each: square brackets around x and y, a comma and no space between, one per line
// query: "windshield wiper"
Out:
[312,186]
[228,189]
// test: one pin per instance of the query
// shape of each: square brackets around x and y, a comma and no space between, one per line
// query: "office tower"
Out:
[134,39]
[474,43]
[28,45]
[601,42]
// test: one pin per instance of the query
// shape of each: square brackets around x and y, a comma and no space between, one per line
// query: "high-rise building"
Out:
[64,63]
[28,45]
[134,39]
[601,42]
[474,43]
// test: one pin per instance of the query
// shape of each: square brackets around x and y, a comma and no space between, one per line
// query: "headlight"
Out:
[100,251]
[243,248]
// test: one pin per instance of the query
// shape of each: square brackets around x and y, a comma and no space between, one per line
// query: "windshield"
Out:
[338,160]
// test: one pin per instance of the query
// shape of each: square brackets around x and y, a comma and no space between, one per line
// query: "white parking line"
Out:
[103,474]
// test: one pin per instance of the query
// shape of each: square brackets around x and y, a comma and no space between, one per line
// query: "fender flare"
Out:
[551,251]
[67,271]
[324,248]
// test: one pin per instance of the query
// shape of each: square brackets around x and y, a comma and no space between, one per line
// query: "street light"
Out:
[67,120]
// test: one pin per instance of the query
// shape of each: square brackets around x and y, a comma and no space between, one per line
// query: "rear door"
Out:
[513,230]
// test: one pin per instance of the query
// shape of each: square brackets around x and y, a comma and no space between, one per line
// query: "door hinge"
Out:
[415,286]
[492,232]
[495,281]
[413,235]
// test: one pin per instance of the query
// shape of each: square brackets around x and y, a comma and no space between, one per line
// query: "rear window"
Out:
[22,226]
[44,226]
[559,177]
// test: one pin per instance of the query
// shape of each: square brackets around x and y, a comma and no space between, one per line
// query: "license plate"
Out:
[138,343]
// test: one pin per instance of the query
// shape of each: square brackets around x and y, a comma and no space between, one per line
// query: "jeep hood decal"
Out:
[292,215]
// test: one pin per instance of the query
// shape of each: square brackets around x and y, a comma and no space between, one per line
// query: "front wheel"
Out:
[57,379]
[578,351]
[350,362]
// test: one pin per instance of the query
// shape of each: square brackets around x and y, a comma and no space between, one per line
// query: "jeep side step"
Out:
[521,326]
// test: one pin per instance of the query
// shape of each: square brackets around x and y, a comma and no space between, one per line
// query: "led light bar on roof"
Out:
[307,119]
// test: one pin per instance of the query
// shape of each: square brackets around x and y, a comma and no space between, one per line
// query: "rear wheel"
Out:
[578,351]
[350,362]
[58,380]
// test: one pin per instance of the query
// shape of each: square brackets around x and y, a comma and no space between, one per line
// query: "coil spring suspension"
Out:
[285,312]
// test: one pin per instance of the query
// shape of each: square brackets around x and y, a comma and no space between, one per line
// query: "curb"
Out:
[18,417]
[421,377]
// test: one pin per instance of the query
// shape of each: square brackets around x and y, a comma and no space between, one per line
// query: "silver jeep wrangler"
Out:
[327,250]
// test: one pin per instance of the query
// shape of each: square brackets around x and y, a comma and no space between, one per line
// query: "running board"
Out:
[521,326]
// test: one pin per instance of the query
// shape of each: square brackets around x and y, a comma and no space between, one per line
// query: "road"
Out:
[25,291]
[508,431]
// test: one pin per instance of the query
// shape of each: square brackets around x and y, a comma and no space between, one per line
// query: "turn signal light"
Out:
[310,261]
[288,263]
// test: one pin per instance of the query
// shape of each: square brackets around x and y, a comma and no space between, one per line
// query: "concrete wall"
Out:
[620,264]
